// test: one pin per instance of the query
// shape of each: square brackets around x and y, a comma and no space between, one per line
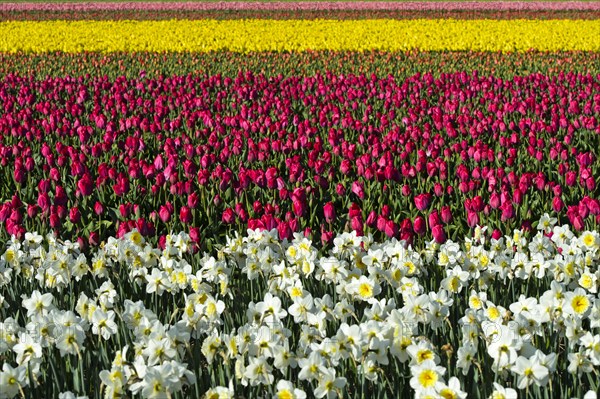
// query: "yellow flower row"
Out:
[298,35]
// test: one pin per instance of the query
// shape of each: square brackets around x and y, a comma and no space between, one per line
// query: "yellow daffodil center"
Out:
[365,290]
[428,378]
[285,394]
[580,304]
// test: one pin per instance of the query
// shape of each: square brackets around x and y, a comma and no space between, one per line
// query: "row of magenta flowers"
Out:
[415,158]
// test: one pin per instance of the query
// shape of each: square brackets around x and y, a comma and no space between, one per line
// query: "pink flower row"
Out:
[309,6]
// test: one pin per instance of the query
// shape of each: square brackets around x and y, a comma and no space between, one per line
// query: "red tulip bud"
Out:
[329,212]
[419,226]
[74,215]
[285,232]
[446,214]
[94,239]
[438,233]
[357,225]
[472,219]
[391,229]
[98,208]
[422,201]
[185,215]
[193,200]
[228,216]
[557,204]
[327,237]
[164,214]
[371,219]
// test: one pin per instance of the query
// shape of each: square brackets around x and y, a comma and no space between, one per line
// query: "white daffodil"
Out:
[28,348]
[270,309]
[38,303]
[312,367]
[220,392]
[577,303]
[329,386]
[13,380]
[286,390]
[103,323]
[363,288]
[503,393]
[258,371]
[427,375]
[530,371]
[452,390]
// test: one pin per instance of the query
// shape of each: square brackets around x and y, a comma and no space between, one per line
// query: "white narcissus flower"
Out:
[427,375]
[329,386]
[270,309]
[590,240]
[530,371]
[259,371]
[210,347]
[363,288]
[220,392]
[107,295]
[465,357]
[449,254]
[27,349]
[588,281]
[546,223]
[301,307]
[421,352]
[350,340]
[12,380]
[455,280]
[369,369]
[103,323]
[591,343]
[154,384]
[504,346]
[286,390]
[38,303]
[503,393]
[418,307]
[577,303]
[311,367]
[158,351]
[158,282]
[283,357]
[579,363]
[70,341]
[70,395]
[452,390]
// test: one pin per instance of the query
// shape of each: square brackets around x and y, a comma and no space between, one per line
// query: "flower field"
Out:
[299,199]
[299,35]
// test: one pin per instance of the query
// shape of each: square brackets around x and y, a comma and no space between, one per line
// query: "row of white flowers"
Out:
[520,316]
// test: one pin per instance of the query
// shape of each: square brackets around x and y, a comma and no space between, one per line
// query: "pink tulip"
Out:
[438,233]
[228,216]
[193,200]
[164,213]
[74,215]
[284,230]
[391,229]
[326,237]
[329,212]
[98,208]
[557,204]
[420,227]
[185,215]
[422,201]
[357,225]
